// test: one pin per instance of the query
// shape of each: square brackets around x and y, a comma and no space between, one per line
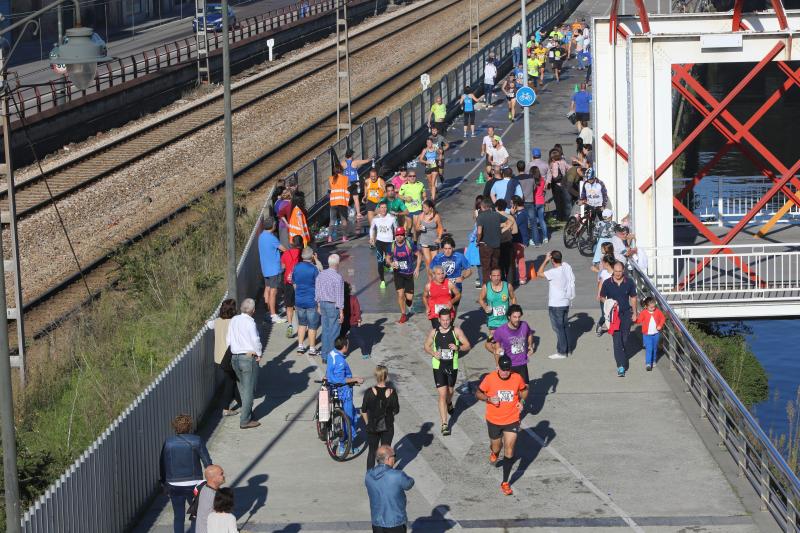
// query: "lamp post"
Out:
[526,110]
[230,216]
[80,52]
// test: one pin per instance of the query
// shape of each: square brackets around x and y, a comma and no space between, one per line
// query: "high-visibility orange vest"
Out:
[339,193]
[298,226]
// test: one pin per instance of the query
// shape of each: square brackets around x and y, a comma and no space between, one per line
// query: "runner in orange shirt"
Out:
[504,392]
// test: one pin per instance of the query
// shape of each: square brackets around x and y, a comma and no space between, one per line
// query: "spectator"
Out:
[289,259]
[620,241]
[544,168]
[604,271]
[537,221]
[378,410]
[507,231]
[507,187]
[386,489]
[652,321]
[520,239]
[603,233]
[352,319]
[304,278]
[245,347]
[222,358]
[222,519]
[215,478]
[183,457]
[269,253]
[561,291]
[489,230]
[516,47]
[621,289]
[329,295]
[298,220]
[283,210]
[489,77]
[557,177]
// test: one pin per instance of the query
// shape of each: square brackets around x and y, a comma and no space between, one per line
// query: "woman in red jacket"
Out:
[652,320]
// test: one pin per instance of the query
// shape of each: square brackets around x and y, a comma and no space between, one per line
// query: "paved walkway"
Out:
[598,452]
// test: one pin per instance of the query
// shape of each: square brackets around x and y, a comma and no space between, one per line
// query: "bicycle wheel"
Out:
[322,427]
[339,441]
[585,242]
[570,232]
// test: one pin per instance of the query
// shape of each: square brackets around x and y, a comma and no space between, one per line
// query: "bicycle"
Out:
[579,231]
[333,425]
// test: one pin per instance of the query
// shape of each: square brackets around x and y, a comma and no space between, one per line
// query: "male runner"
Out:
[404,259]
[504,392]
[455,264]
[440,293]
[397,207]
[495,298]
[444,344]
[515,339]
[381,235]
[350,169]
[374,192]
[413,194]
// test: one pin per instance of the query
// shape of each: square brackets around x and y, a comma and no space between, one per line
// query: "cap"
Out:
[400,231]
[504,362]
[536,152]
[608,213]
[497,138]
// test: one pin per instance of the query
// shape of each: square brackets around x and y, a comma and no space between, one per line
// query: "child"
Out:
[222,519]
[652,321]
[352,319]
[605,249]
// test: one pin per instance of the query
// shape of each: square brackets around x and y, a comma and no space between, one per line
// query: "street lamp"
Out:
[80,51]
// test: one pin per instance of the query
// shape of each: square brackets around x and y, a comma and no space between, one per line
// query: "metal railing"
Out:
[114,479]
[28,100]
[750,272]
[758,460]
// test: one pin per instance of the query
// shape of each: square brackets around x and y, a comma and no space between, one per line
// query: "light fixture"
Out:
[81,50]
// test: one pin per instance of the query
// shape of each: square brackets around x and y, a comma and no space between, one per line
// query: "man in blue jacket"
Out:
[386,489]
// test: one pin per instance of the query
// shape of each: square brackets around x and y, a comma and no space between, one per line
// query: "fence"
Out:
[115,478]
[757,459]
[36,98]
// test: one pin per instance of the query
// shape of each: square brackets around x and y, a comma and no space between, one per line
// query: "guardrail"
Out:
[749,273]
[116,477]
[758,461]
[34,99]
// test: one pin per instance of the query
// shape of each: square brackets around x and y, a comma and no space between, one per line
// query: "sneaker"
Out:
[230,412]
[313,351]
[365,356]
[289,332]
[278,319]
[465,134]
[544,241]
[383,284]
[557,356]
[445,430]
[477,284]
[403,319]
[510,116]
[621,372]
[531,243]
[450,408]
[599,330]
[648,367]
[474,135]
[492,457]
[506,488]
[301,348]
[250,425]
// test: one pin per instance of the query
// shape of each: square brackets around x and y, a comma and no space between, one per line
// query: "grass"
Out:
[82,375]
[789,443]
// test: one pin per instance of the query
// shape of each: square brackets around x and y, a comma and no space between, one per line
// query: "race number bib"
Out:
[446,354]
[402,265]
[499,310]
[506,395]
[516,348]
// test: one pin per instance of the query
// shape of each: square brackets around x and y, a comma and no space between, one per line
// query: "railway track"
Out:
[275,162]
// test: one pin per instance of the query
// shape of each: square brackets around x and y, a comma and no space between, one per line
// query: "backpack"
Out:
[192,511]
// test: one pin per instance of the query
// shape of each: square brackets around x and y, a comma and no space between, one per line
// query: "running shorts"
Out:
[522,370]
[583,117]
[273,282]
[371,206]
[288,295]
[445,375]
[404,282]
[495,431]
[469,118]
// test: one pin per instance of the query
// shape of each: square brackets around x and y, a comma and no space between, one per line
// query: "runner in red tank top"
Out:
[440,293]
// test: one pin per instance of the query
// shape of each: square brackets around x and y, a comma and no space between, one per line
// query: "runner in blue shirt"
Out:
[455,264]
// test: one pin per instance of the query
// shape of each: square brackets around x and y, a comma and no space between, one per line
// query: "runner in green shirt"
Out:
[413,194]
[438,114]
[396,206]
[495,297]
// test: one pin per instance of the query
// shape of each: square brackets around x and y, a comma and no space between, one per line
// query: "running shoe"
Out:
[544,241]
[450,408]
[276,319]
[532,243]
[403,319]
[383,284]
[506,488]
[477,284]
[301,348]
[313,351]
[621,372]
[649,368]
[465,134]
[474,135]
[557,356]
[445,430]
[289,332]
[492,457]
[510,116]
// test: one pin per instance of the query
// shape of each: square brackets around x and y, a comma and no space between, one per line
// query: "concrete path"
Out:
[597,453]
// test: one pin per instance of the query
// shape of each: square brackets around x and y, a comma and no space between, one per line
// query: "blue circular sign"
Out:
[526,96]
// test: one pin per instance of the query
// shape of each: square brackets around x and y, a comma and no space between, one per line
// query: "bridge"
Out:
[668,450]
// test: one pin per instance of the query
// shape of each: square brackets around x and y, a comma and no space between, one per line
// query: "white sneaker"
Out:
[544,241]
[557,356]
[278,319]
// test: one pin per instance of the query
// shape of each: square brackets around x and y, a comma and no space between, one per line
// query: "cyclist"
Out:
[350,169]
[404,259]
[515,339]
[455,264]
[338,375]
[504,392]
[495,298]
[440,293]
[381,235]
[593,194]
[444,343]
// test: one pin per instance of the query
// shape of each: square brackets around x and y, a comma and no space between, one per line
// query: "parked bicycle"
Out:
[579,231]
[333,425]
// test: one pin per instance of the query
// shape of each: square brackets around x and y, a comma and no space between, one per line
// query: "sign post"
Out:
[526,114]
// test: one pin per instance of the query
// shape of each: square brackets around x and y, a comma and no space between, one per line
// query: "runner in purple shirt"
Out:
[515,339]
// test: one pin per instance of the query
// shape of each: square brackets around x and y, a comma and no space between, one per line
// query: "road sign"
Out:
[526,96]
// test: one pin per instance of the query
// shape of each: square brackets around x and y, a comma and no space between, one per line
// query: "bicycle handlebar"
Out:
[330,384]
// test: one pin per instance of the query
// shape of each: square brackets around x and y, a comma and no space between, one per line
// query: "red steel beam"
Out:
[783,24]
[619,149]
[737,15]
[643,18]
[612,24]
[713,115]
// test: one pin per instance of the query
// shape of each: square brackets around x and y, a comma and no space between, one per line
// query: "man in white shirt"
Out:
[560,294]
[498,155]
[516,47]
[489,76]
[381,236]
[245,345]
[488,141]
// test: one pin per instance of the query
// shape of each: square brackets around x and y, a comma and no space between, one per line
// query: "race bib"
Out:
[499,310]
[516,349]
[402,265]
[439,307]
[446,354]
[374,194]
[506,395]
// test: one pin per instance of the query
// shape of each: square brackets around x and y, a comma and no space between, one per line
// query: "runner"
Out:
[404,260]
[510,90]
[441,145]
[339,200]
[437,115]
[498,155]
[440,293]
[399,179]
[445,343]
[381,235]
[350,168]
[504,392]
[467,103]
[557,54]
[487,143]
[413,193]
[374,192]
[455,264]
[430,157]
[515,339]
[495,298]
[397,207]
[428,228]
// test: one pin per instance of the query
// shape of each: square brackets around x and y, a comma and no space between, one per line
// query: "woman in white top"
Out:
[222,365]
[222,519]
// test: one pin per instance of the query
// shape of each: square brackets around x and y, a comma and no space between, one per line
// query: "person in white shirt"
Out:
[488,141]
[498,155]
[381,236]
[489,77]
[586,134]
[559,297]
[246,349]
[516,47]
[222,519]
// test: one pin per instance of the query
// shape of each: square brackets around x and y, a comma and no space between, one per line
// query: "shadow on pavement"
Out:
[471,323]
[540,388]
[251,497]
[578,324]
[366,336]
[409,446]
[434,523]
[528,448]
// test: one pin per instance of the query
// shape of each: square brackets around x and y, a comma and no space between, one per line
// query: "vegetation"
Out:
[82,375]
[789,443]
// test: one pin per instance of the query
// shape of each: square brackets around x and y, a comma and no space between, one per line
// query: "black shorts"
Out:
[509,98]
[338,211]
[445,375]
[355,188]
[404,282]
[558,65]
[273,282]
[469,118]
[583,117]
[522,370]
[371,206]
[431,170]
[495,431]
[288,295]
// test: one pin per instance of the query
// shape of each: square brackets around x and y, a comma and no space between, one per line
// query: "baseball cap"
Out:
[536,152]
[608,213]
[497,138]
[504,362]
[400,231]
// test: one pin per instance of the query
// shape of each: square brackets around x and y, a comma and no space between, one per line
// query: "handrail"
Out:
[784,507]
